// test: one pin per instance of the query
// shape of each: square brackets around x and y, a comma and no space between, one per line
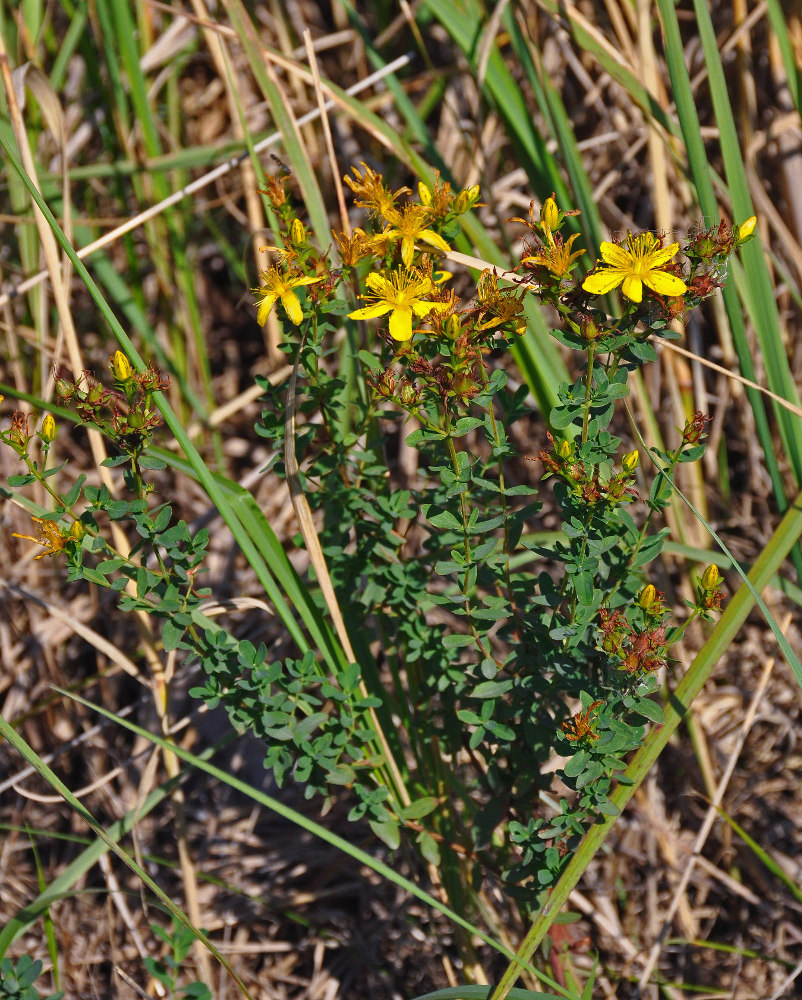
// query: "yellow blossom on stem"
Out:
[550,214]
[49,429]
[401,294]
[746,229]
[278,286]
[555,255]
[50,536]
[634,266]
[410,226]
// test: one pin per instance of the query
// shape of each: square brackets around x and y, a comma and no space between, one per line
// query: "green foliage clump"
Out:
[482,647]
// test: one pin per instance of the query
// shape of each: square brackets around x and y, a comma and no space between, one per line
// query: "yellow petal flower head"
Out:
[278,286]
[50,536]
[633,266]
[555,255]
[410,226]
[401,294]
[746,229]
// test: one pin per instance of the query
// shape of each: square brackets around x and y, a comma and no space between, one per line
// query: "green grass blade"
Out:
[763,856]
[301,167]
[779,24]
[483,993]
[463,20]
[703,183]
[553,110]
[757,289]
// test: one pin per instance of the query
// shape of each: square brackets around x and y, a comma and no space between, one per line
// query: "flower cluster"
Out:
[639,650]
[127,411]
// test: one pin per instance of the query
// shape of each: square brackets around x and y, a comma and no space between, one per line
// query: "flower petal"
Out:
[292,304]
[371,312]
[265,307]
[303,280]
[659,257]
[665,284]
[615,256]
[604,281]
[633,287]
[407,250]
[434,239]
[377,282]
[401,323]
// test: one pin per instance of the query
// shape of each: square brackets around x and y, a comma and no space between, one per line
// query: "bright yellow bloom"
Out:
[647,596]
[410,227]
[550,214]
[49,429]
[121,367]
[556,256]
[746,229]
[710,578]
[636,265]
[630,461]
[50,536]
[280,286]
[402,295]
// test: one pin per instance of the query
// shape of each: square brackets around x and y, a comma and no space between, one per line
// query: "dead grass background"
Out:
[296,918]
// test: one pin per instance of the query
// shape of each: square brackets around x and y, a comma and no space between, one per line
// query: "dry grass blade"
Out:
[199,184]
[711,816]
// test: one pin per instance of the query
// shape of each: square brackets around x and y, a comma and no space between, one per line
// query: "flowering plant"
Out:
[483,646]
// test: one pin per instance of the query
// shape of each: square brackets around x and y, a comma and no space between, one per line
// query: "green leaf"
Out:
[419,808]
[370,360]
[651,710]
[444,519]
[466,424]
[491,689]
[171,634]
[428,847]
[457,639]
[387,830]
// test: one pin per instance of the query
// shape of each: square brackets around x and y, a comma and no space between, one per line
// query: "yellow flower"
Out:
[121,367]
[49,429]
[630,461]
[280,286]
[50,536]
[550,214]
[636,265]
[746,229]
[410,227]
[556,256]
[402,295]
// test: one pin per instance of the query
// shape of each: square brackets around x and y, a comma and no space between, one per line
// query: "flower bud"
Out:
[408,394]
[746,229]
[453,327]
[710,577]
[589,329]
[630,461]
[550,214]
[49,429]
[424,194]
[647,596]
[77,531]
[564,449]
[121,367]
[466,199]
[297,232]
